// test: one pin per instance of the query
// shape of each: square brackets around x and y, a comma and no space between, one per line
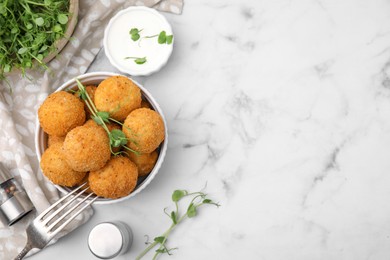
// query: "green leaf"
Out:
[174,217]
[103,115]
[22,50]
[57,28]
[43,48]
[135,37]
[117,138]
[159,239]
[7,68]
[162,37]
[62,18]
[191,211]
[134,32]
[14,30]
[169,39]
[39,21]
[161,250]
[83,96]
[207,201]
[96,119]
[178,194]
[29,26]
[140,61]
[117,134]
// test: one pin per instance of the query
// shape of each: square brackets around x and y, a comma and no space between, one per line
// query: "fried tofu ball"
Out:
[117,179]
[87,148]
[52,139]
[91,93]
[60,113]
[85,180]
[144,129]
[111,126]
[145,162]
[117,95]
[90,122]
[55,168]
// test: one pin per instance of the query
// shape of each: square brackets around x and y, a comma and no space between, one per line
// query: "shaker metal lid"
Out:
[16,207]
[5,175]
[105,241]
[109,239]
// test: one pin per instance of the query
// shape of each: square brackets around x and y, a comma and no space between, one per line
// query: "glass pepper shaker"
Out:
[14,203]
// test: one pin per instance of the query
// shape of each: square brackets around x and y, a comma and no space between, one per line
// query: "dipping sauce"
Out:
[118,43]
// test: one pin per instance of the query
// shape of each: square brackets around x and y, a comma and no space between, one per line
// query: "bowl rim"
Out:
[40,134]
[112,60]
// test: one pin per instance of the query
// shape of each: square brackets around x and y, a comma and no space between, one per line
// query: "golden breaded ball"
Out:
[145,162]
[90,122]
[91,93]
[55,168]
[110,126]
[144,129]
[87,148]
[85,180]
[60,113]
[117,179]
[52,139]
[117,95]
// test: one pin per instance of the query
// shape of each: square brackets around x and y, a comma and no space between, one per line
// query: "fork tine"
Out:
[55,213]
[40,216]
[63,215]
[74,216]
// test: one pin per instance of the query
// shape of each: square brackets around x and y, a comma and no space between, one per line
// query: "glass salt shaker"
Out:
[110,239]
[14,202]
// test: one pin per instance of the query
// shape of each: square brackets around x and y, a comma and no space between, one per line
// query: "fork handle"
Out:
[24,252]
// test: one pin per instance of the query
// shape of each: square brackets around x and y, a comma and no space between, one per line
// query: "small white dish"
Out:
[118,43]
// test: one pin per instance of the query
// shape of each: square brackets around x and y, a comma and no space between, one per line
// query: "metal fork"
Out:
[45,226]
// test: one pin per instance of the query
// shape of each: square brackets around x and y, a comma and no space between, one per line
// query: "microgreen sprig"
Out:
[137,60]
[28,31]
[134,33]
[117,137]
[198,199]
[163,38]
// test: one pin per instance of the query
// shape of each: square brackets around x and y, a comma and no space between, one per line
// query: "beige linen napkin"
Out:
[18,110]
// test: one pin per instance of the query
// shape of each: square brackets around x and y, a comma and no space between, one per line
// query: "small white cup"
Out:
[118,43]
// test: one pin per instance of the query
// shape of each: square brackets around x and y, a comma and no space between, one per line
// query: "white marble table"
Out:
[283,108]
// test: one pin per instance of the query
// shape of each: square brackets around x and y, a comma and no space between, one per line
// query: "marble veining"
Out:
[283,109]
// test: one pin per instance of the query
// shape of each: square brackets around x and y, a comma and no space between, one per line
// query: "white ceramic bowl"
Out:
[118,43]
[95,78]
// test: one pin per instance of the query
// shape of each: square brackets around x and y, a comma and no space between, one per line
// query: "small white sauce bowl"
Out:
[94,78]
[118,43]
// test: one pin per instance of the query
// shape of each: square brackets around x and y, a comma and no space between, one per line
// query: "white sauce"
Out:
[118,42]
[105,240]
